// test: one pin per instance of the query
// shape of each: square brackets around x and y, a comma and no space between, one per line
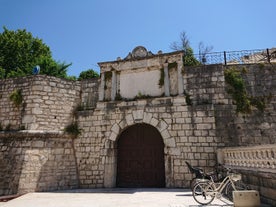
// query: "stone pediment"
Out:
[138,52]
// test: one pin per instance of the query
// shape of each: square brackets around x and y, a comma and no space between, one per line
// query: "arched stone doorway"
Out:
[140,161]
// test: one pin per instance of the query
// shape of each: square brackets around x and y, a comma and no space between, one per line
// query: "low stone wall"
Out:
[36,162]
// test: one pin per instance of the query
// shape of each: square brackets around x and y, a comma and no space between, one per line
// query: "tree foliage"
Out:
[90,73]
[20,52]
[184,44]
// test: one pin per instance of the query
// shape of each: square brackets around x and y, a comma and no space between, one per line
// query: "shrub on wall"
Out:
[73,129]
[16,97]
[238,92]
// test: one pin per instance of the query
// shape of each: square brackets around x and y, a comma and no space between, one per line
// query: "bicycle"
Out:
[216,175]
[205,191]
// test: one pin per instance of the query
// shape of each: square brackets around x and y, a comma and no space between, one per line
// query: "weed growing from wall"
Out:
[172,65]
[118,96]
[73,129]
[141,96]
[16,97]
[108,76]
[188,98]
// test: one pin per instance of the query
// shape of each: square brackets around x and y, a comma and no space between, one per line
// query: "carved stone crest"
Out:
[139,52]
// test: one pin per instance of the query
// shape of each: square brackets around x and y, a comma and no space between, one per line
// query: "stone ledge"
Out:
[33,134]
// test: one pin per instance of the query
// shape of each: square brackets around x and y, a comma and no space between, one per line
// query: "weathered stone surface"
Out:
[30,164]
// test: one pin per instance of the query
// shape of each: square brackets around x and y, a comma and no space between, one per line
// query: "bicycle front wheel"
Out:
[203,193]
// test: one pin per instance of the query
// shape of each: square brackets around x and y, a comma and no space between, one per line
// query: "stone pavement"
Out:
[117,197]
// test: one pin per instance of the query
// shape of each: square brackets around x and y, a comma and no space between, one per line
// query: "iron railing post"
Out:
[268,55]
[224,55]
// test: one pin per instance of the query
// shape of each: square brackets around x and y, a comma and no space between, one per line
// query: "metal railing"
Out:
[238,57]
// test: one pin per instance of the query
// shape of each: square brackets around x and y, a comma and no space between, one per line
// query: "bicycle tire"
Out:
[203,193]
[193,183]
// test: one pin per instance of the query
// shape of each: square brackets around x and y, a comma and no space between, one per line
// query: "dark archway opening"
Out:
[140,160]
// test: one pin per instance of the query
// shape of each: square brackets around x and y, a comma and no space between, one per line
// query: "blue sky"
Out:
[85,32]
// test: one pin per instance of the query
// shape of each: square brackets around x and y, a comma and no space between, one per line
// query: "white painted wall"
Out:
[143,82]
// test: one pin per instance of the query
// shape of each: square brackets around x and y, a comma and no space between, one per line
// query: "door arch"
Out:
[140,161]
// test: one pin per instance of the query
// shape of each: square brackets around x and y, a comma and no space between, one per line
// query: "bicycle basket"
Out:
[235,176]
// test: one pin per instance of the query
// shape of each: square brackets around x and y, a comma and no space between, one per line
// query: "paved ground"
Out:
[112,197]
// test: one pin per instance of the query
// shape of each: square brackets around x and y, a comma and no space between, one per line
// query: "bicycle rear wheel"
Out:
[203,193]
[193,182]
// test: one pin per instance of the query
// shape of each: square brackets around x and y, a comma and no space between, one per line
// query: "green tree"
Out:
[20,52]
[184,44]
[90,73]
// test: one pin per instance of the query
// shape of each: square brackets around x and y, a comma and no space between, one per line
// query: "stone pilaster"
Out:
[180,78]
[101,88]
[114,85]
[166,80]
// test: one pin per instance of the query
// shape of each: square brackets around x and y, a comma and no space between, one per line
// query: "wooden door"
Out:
[140,157]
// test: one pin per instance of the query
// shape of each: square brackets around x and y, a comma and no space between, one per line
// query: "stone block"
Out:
[38,144]
[129,119]
[180,120]
[169,142]
[162,125]
[113,136]
[115,128]
[123,124]
[165,134]
[179,100]
[246,198]
[28,119]
[175,151]
[154,122]
[37,110]
[200,114]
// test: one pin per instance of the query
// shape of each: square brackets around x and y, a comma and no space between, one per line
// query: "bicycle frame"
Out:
[222,185]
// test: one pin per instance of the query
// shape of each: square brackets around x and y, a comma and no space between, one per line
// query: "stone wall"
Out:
[264,182]
[188,134]
[36,162]
[193,126]
[47,103]
[89,93]
[257,127]
[206,85]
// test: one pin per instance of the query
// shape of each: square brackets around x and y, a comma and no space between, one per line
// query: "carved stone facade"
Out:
[142,73]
